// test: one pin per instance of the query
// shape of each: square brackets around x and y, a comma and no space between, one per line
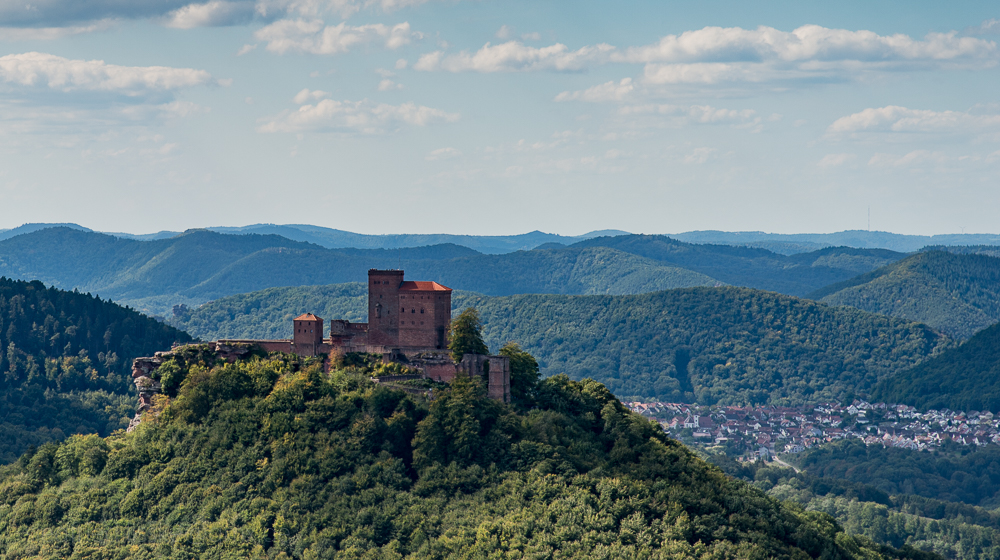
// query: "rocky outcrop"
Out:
[148,387]
[142,377]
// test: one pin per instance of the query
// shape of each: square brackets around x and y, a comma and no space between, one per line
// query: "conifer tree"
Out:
[465,335]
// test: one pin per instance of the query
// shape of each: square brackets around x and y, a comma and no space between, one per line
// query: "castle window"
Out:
[413,311]
[421,310]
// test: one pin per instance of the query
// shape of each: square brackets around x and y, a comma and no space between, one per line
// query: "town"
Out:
[761,431]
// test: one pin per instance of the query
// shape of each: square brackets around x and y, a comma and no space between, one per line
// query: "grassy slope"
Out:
[958,294]
[739,345]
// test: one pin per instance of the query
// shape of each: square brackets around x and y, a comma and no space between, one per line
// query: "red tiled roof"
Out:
[307,317]
[411,286]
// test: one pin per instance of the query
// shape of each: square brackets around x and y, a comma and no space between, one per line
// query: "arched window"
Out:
[421,309]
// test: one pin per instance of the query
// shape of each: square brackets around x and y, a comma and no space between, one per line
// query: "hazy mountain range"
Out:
[492,244]
[200,266]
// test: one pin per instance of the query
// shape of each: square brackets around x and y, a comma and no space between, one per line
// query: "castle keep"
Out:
[408,322]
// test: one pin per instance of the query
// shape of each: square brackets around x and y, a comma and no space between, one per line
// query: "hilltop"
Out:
[706,345]
[956,293]
[270,458]
[66,363]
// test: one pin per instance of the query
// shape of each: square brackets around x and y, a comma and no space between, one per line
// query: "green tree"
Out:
[524,372]
[465,335]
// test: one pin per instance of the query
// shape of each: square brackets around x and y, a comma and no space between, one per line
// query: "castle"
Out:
[407,322]
[403,317]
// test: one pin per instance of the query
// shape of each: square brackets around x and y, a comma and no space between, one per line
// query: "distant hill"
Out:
[30,228]
[202,265]
[66,363]
[339,239]
[963,378]
[957,294]
[706,345]
[797,274]
[852,238]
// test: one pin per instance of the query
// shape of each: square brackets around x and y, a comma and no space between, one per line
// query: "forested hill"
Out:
[797,274]
[963,378]
[955,293]
[66,361]
[199,266]
[272,459]
[706,345]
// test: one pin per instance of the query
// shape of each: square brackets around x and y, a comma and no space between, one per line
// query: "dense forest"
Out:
[271,458]
[954,530]
[706,345]
[953,473]
[963,378]
[796,274]
[956,293]
[65,365]
[201,265]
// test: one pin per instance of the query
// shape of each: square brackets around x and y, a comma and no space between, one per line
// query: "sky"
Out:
[497,117]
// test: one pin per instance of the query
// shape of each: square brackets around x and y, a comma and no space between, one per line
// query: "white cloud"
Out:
[313,37]
[50,33]
[704,114]
[901,119]
[211,14]
[699,156]
[246,49]
[388,85]
[988,27]
[40,14]
[443,153]
[533,36]
[505,32]
[914,158]
[608,91]
[515,56]
[366,117]
[63,74]
[401,64]
[716,55]
[807,43]
[835,160]
[306,96]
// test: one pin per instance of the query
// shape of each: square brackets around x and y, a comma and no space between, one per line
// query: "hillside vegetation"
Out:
[963,378]
[65,364]
[797,274]
[270,459]
[706,345]
[954,530]
[957,294]
[201,265]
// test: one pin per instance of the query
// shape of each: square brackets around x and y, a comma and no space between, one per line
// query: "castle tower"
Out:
[308,335]
[383,307]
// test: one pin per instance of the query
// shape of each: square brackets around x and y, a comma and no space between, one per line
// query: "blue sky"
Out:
[488,117]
